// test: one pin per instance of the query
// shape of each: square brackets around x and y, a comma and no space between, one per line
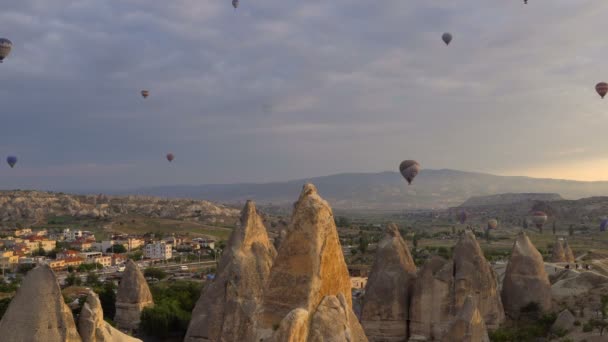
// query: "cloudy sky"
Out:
[281,90]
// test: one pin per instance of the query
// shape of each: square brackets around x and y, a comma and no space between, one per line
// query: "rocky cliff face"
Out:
[308,292]
[132,297]
[468,325]
[525,278]
[474,277]
[389,288]
[38,311]
[36,206]
[93,328]
[226,308]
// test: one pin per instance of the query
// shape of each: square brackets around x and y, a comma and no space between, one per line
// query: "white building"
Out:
[72,235]
[158,250]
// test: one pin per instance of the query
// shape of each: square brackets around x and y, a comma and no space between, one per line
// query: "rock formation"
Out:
[564,322]
[432,307]
[387,295]
[132,297]
[38,311]
[525,278]
[568,252]
[226,308]
[309,288]
[468,326]
[558,254]
[474,276]
[93,328]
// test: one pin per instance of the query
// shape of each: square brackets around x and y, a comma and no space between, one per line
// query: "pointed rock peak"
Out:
[308,189]
[392,230]
[248,211]
[251,228]
[133,287]
[523,245]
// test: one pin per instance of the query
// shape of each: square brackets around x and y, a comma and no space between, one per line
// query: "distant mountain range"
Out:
[386,191]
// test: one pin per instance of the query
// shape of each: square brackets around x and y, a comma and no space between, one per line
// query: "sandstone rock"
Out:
[558,254]
[432,305]
[38,311]
[309,267]
[226,308]
[389,288]
[133,296]
[568,252]
[525,278]
[468,326]
[93,328]
[475,277]
[294,327]
[565,321]
[334,321]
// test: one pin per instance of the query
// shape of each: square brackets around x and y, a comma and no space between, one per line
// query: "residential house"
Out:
[158,250]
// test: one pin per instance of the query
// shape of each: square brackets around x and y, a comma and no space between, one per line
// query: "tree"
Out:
[107,297]
[525,224]
[93,280]
[415,241]
[73,280]
[571,230]
[363,243]
[116,249]
[154,272]
[343,222]
[554,228]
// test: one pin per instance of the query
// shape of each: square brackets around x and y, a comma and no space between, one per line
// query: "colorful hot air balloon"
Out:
[5,48]
[539,218]
[604,225]
[11,160]
[462,216]
[170,157]
[447,38]
[235,3]
[492,224]
[409,169]
[602,88]
[145,93]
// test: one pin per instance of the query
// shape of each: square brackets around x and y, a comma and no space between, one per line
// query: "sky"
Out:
[280,90]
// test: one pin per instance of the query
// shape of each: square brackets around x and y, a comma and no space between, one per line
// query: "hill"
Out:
[432,189]
[502,199]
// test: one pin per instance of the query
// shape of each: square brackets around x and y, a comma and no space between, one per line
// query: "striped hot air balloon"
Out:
[145,93]
[5,48]
[539,218]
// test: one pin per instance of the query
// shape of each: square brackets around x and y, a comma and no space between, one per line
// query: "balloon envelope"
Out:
[5,48]
[602,88]
[539,218]
[170,157]
[447,38]
[492,224]
[603,225]
[11,160]
[462,216]
[145,93]
[409,169]
[235,3]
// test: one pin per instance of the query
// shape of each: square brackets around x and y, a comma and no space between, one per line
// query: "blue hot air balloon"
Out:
[11,160]
[604,225]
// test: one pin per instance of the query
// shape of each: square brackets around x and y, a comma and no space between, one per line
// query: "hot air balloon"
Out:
[145,93]
[5,48]
[525,2]
[602,88]
[11,160]
[492,224]
[409,169]
[235,3]
[539,218]
[447,38]
[170,157]
[462,216]
[604,225]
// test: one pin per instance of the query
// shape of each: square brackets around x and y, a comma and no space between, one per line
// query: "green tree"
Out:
[554,228]
[525,224]
[571,230]
[118,249]
[415,240]
[363,243]
[154,272]
[73,280]
[107,297]
[4,303]
[343,222]
[93,280]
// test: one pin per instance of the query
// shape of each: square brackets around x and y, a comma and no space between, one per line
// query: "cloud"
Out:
[296,89]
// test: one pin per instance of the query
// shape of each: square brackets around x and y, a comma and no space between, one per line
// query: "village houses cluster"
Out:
[61,249]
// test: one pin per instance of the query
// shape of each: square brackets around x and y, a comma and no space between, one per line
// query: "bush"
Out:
[73,280]
[117,249]
[587,327]
[577,323]
[93,280]
[107,297]
[154,272]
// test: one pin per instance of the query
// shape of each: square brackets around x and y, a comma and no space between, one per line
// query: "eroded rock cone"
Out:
[38,311]
[568,252]
[93,328]
[475,277]
[557,253]
[468,326]
[389,288]
[132,297]
[225,310]
[432,307]
[309,267]
[525,279]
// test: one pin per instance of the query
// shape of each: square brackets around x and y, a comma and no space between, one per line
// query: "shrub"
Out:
[154,272]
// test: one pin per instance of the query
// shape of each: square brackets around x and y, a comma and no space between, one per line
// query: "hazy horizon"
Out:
[277,91]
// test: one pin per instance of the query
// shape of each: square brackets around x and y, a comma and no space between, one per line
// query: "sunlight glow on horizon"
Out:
[583,170]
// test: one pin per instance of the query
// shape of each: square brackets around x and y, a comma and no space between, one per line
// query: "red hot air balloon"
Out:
[409,169]
[170,157]
[539,218]
[602,88]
